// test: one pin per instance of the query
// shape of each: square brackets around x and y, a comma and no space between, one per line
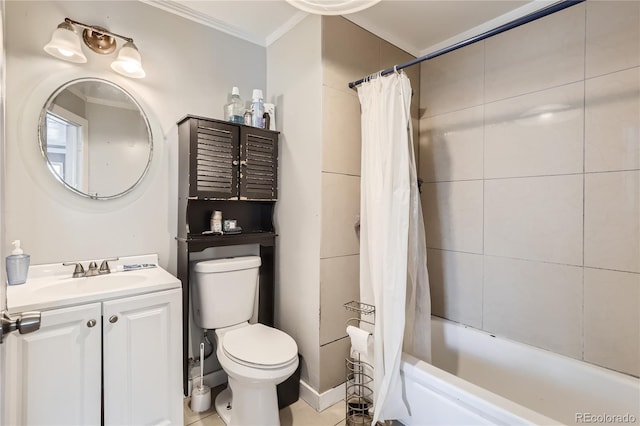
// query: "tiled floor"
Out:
[298,414]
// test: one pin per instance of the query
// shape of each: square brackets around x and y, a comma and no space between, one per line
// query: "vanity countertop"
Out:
[51,286]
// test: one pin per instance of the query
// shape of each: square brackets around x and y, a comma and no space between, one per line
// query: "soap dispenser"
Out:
[17,265]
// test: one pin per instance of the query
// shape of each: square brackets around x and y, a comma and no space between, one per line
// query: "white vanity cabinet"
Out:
[54,373]
[142,350]
[124,353]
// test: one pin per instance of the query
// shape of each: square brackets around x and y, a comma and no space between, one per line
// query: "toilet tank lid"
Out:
[228,264]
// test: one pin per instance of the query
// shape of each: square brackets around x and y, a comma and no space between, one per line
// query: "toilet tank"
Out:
[224,290]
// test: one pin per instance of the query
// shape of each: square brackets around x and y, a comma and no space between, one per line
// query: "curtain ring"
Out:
[395,69]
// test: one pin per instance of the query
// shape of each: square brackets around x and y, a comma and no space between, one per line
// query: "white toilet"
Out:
[255,357]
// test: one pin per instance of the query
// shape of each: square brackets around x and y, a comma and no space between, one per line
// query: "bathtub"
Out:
[481,379]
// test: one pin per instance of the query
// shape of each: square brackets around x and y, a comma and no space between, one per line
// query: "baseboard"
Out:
[324,400]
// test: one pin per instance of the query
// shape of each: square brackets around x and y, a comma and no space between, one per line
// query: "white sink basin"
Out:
[97,284]
[51,286]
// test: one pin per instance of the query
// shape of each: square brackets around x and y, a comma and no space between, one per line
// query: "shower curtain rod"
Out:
[556,7]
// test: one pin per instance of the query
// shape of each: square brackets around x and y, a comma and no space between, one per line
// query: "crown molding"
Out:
[284,28]
[193,15]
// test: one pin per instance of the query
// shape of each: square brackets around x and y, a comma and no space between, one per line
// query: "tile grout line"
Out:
[530,93]
[340,173]
[484,139]
[484,103]
[534,260]
[608,73]
[584,175]
[536,176]
[339,256]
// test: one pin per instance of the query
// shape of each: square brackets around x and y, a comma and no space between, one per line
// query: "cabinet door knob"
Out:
[113,318]
[235,162]
[243,163]
[91,323]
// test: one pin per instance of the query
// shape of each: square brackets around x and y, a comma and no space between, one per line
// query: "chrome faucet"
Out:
[78,272]
[104,266]
[93,270]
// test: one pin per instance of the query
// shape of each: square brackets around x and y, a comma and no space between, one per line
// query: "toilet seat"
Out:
[259,346]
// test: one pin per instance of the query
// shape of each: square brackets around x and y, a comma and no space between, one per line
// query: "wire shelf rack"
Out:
[361,308]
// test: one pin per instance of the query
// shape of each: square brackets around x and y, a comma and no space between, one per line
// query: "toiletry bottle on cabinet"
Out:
[257,109]
[234,110]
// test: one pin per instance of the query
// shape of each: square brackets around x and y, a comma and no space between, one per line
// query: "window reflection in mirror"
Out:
[67,135]
[95,138]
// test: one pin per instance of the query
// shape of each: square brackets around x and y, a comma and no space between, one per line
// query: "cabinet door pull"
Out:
[113,318]
[91,323]
[243,163]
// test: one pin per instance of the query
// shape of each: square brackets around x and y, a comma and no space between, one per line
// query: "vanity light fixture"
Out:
[65,45]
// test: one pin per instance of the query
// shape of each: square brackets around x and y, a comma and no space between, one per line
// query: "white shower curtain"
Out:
[393,272]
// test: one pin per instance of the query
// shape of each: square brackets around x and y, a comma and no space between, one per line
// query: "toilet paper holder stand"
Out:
[359,374]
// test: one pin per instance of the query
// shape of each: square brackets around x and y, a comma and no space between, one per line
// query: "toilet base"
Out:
[223,405]
[252,404]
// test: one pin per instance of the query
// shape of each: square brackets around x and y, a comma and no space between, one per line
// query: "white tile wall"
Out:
[455,280]
[613,36]
[612,319]
[534,218]
[535,303]
[339,42]
[340,210]
[453,81]
[612,125]
[612,221]
[348,53]
[332,356]
[339,284]
[542,54]
[535,134]
[341,132]
[453,215]
[553,181]
[451,146]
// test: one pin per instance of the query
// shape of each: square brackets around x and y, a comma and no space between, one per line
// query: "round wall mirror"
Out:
[96,138]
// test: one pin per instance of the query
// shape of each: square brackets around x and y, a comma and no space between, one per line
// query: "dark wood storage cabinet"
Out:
[228,161]
[231,168]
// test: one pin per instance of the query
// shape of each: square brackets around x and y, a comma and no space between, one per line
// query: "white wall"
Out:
[190,69]
[2,204]
[294,79]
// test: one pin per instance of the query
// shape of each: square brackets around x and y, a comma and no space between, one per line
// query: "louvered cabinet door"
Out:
[216,160]
[258,164]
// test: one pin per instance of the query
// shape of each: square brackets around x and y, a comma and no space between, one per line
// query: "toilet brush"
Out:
[201,395]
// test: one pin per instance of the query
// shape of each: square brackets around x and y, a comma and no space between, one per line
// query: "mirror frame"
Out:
[42,136]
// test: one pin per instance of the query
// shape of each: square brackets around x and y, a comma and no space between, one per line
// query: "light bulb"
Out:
[65,44]
[128,62]
[65,52]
